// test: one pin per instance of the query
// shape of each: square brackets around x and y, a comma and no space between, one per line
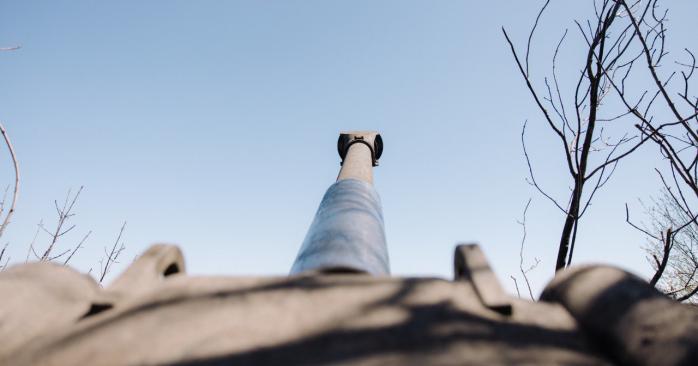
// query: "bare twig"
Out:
[661,266]
[2,253]
[77,247]
[64,213]
[688,294]
[516,284]
[113,255]
[7,262]
[533,181]
[31,245]
[524,271]
[533,29]
[15,192]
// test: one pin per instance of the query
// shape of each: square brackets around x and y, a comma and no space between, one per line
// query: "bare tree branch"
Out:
[2,253]
[15,192]
[617,36]
[31,244]
[524,272]
[64,213]
[113,255]
[516,284]
[665,258]
[77,247]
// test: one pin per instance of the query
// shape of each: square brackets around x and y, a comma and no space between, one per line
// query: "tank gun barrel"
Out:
[347,233]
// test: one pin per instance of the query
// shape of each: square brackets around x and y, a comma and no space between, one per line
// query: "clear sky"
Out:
[213,125]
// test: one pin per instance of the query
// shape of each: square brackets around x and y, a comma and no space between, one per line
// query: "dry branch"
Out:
[112,255]
[15,191]
[617,37]
[64,213]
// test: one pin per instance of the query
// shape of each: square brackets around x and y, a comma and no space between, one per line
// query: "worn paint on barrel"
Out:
[347,232]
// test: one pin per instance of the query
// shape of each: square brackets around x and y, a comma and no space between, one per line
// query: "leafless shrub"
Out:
[672,247]
[64,211]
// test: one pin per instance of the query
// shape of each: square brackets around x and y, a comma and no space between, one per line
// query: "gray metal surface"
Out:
[347,232]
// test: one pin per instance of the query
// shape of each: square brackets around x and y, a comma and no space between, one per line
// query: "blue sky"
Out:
[213,124]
